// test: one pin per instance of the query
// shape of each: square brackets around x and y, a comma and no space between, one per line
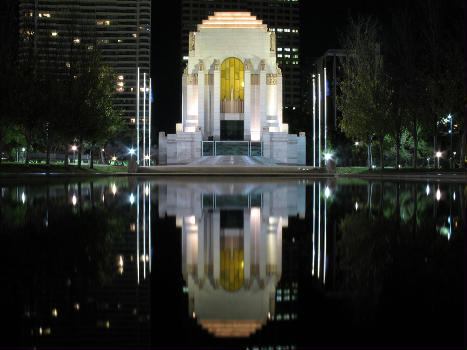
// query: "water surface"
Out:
[232,263]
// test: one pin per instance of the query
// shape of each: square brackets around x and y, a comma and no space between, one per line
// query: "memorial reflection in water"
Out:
[124,261]
[232,248]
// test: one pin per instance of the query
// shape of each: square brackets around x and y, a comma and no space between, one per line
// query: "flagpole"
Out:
[144,119]
[150,102]
[137,116]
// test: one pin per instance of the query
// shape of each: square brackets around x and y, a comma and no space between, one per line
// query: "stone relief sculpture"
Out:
[272,45]
[192,41]
[201,65]
[271,79]
[263,65]
[247,64]
[279,71]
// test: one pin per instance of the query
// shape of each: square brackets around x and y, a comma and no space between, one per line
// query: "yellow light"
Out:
[54,312]
[54,33]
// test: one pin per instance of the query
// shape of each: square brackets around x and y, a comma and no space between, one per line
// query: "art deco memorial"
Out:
[232,96]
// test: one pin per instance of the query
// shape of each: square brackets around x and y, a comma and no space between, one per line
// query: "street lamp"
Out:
[74,148]
[438,155]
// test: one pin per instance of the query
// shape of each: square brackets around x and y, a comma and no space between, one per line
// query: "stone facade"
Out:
[232,75]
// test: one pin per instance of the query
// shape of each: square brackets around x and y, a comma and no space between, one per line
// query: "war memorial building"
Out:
[232,96]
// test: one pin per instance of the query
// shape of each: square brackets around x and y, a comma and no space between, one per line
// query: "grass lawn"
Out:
[12,167]
[401,171]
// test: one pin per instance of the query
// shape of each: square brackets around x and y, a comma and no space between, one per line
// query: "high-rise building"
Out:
[282,17]
[121,29]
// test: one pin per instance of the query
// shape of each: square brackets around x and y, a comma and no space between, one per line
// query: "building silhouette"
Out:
[121,30]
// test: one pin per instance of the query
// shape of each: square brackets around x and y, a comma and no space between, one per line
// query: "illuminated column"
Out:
[217,102]
[144,119]
[279,98]
[247,103]
[184,98]
[201,98]
[149,134]
[319,120]
[262,98]
[137,115]
[325,82]
[314,121]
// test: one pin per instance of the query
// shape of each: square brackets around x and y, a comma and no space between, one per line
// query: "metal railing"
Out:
[229,148]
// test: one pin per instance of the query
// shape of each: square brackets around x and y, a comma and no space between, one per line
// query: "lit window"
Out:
[99,23]
[294,49]
[287,49]
[120,89]
[287,56]
[119,40]
[76,40]
[120,77]
[68,65]
[90,47]
[279,55]
[54,33]
[185,58]
[107,23]
[133,121]
[279,49]
[133,35]
[280,30]
[272,29]
[287,30]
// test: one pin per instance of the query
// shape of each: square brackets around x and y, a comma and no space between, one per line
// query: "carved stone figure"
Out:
[201,65]
[263,65]
[247,64]
[271,79]
[192,41]
[279,71]
[272,46]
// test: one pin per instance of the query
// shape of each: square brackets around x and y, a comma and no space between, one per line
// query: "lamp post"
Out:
[438,155]
[74,148]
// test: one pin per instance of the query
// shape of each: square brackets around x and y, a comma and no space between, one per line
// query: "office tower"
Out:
[120,29]
[281,16]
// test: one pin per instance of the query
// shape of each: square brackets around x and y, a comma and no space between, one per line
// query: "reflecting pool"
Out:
[133,262]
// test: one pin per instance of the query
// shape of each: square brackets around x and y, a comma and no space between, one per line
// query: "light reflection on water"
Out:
[236,262]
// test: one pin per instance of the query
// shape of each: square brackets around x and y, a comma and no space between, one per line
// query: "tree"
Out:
[366,94]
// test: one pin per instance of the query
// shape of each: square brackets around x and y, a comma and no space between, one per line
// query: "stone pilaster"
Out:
[279,98]
[217,103]
[262,97]
[247,103]
[184,99]
[201,98]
